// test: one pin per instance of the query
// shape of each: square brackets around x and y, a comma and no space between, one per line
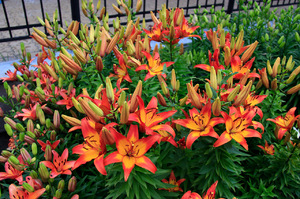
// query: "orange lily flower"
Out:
[67,98]
[121,72]
[269,149]
[148,119]
[213,61]
[60,164]
[252,100]
[166,137]
[210,194]
[185,30]
[156,32]
[11,173]
[12,76]
[241,69]
[19,192]
[43,144]
[154,66]
[201,124]
[286,123]
[172,180]
[93,147]
[131,151]
[237,124]
[28,113]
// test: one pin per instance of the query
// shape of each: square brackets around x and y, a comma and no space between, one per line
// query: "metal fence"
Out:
[188,5]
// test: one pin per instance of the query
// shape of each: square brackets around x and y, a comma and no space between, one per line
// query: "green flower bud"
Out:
[8,129]
[22,136]
[28,187]
[20,127]
[34,149]
[34,174]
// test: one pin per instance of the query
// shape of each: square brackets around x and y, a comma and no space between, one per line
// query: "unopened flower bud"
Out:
[22,136]
[124,114]
[294,89]
[6,153]
[122,98]
[13,160]
[97,110]
[233,93]
[34,149]
[48,153]
[109,90]
[107,136]
[58,193]
[165,90]
[161,99]
[274,84]
[25,155]
[53,136]
[33,174]
[8,130]
[20,127]
[72,184]
[28,187]
[216,107]
[56,119]
[61,185]
[44,173]
[183,101]
[11,123]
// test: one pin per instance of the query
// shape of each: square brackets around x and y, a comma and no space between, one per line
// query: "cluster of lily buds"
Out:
[280,68]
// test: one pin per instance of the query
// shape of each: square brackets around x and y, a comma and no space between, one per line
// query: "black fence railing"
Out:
[187,5]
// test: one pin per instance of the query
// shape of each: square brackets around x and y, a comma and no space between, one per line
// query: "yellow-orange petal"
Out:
[113,158]
[99,164]
[223,139]
[240,139]
[146,163]
[128,164]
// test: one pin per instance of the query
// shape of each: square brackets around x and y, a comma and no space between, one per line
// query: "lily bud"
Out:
[109,90]
[6,153]
[72,184]
[71,120]
[88,111]
[243,94]
[275,67]
[165,90]
[248,53]
[216,107]
[28,140]
[41,116]
[293,89]
[58,193]
[124,114]
[107,137]
[99,64]
[208,90]
[239,41]
[43,172]
[96,109]
[192,94]
[20,127]
[139,4]
[213,78]
[183,101]
[264,78]
[56,119]
[181,51]
[30,134]
[53,136]
[77,105]
[34,149]
[274,84]
[61,185]
[134,101]
[39,39]
[233,93]
[161,99]
[13,160]
[22,136]
[122,98]
[289,65]
[8,130]
[177,85]
[11,123]
[173,80]
[222,38]
[27,187]
[25,155]
[112,43]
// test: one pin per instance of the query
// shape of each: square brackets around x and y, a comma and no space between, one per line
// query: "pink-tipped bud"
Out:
[56,119]
[25,155]
[48,153]
[72,184]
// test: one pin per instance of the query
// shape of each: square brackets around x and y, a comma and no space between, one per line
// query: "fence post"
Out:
[230,6]
[75,9]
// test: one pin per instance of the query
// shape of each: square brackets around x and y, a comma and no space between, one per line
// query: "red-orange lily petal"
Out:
[172,180]
[286,123]
[131,151]
[18,192]
[201,124]
[237,124]
[11,173]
